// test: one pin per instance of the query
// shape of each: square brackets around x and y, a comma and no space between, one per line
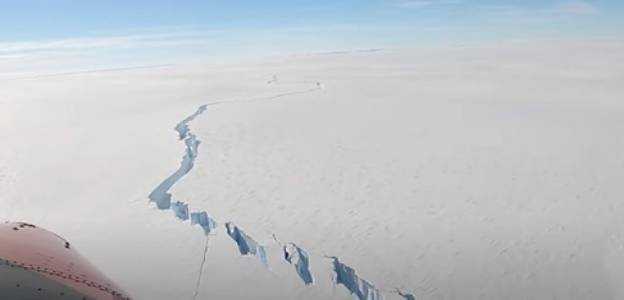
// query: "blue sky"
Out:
[166,30]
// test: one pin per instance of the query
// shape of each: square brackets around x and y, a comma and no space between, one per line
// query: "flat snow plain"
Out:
[490,172]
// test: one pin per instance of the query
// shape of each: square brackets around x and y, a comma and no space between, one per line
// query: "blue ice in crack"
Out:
[246,245]
[360,288]
[405,295]
[192,143]
[182,127]
[160,195]
[205,221]
[293,254]
[180,209]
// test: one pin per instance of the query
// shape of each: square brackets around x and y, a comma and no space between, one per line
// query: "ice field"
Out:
[464,172]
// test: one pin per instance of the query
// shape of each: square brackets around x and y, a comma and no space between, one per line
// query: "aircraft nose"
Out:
[38,264]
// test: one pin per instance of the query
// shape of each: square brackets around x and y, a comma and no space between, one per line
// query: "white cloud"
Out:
[564,7]
[577,8]
[421,3]
[519,14]
[108,42]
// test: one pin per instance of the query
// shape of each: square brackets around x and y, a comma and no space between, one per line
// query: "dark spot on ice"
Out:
[24,225]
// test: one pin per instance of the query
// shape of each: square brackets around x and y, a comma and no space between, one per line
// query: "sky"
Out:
[118,33]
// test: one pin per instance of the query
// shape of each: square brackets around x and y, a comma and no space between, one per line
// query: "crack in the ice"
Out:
[203,220]
[293,254]
[246,244]
[180,209]
[201,270]
[182,128]
[359,287]
[405,295]
[160,195]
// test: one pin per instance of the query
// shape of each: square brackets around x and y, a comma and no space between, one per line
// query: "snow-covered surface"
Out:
[488,172]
